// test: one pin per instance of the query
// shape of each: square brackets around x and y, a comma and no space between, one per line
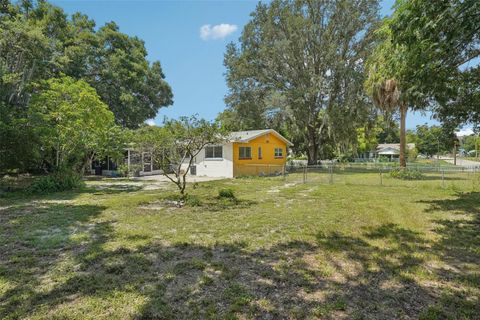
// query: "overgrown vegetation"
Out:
[59,181]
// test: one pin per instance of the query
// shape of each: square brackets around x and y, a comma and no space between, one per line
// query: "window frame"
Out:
[260,155]
[278,155]
[249,157]
[214,153]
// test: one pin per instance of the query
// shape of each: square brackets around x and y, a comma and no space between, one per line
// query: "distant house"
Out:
[390,150]
[253,152]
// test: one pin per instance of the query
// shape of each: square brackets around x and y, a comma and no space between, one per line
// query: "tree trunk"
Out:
[87,161]
[403,137]
[312,146]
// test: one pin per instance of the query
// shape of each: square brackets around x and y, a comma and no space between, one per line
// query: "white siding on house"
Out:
[216,167]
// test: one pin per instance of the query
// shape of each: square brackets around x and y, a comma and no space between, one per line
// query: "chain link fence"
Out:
[462,178]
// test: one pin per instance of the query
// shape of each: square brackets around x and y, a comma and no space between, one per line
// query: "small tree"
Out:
[175,145]
[70,121]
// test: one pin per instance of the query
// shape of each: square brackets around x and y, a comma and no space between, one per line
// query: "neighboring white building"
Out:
[390,150]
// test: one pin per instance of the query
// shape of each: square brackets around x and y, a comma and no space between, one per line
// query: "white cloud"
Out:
[218,31]
[464,132]
[150,122]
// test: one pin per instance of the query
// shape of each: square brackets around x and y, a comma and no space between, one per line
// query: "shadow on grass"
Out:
[375,276]
[34,238]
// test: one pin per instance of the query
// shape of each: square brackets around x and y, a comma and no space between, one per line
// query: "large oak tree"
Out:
[304,60]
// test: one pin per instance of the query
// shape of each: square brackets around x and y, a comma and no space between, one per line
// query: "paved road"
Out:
[462,162]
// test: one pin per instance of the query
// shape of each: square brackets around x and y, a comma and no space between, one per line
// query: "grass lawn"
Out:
[354,249]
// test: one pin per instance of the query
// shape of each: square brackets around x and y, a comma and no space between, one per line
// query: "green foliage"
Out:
[186,199]
[175,145]
[193,201]
[318,97]
[226,193]
[471,143]
[439,41]
[70,121]
[383,159]
[40,42]
[345,157]
[433,140]
[406,174]
[412,154]
[131,170]
[58,181]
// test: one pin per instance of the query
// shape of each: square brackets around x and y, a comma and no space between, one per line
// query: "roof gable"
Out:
[247,136]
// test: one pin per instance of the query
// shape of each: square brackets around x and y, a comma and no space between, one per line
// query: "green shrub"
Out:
[406,174]
[226,193]
[59,181]
[384,159]
[193,201]
[186,199]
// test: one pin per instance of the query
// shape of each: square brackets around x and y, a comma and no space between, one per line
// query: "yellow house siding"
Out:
[267,164]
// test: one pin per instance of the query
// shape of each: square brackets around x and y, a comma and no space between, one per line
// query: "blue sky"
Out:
[191,60]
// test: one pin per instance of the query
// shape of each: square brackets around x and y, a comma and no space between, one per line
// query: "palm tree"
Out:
[387,95]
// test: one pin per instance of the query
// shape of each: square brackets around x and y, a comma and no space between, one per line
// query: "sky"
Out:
[189,39]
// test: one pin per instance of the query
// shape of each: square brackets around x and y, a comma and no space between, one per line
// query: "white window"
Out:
[278,153]
[245,153]
[213,152]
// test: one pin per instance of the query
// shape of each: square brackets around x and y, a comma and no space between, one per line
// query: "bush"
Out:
[226,193]
[59,181]
[345,157]
[186,199]
[406,174]
[193,201]
[412,154]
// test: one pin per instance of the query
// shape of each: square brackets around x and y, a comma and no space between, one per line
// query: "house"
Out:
[253,152]
[390,150]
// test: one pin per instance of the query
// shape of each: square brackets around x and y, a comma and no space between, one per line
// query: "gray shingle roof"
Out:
[246,136]
[394,146]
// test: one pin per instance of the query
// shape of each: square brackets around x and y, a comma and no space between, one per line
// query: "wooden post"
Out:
[381,177]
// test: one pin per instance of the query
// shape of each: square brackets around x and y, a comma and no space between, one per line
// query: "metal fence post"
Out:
[381,177]
[331,173]
[304,174]
[443,178]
